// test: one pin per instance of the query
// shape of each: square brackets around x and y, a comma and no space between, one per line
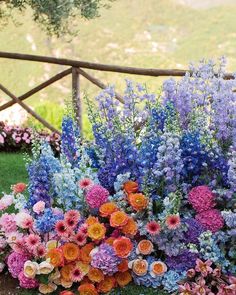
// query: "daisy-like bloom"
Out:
[203,267]
[73,214]
[87,289]
[130,187]
[32,241]
[80,238]
[173,222]
[138,201]
[123,247]
[70,222]
[24,220]
[107,284]
[157,268]
[85,183]
[19,187]
[61,228]
[77,274]
[95,275]
[185,289]
[123,278]
[139,266]
[107,209]
[145,247]
[70,251]
[39,251]
[118,219]
[96,231]
[83,228]
[131,227]
[39,207]
[153,228]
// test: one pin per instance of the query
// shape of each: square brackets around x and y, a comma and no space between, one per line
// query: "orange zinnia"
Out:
[106,285]
[95,275]
[123,278]
[138,201]
[96,231]
[123,266]
[56,257]
[145,247]
[87,289]
[131,187]
[118,219]
[122,246]
[85,251]
[91,220]
[70,251]
[130,228]
[66,271]
[107,209]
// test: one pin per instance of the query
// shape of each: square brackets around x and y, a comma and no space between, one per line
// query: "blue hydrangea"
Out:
[45,223]
[171,279]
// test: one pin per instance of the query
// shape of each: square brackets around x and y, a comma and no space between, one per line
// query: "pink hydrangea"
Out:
[7,223]
[96,196]
[211,220]
[27,283]
[201,198]
[15,263]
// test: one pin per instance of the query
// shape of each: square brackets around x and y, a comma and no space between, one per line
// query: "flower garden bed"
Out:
[153,206]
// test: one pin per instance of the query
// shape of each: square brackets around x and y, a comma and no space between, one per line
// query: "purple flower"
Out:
[194,230]
[15,263]
[182,262]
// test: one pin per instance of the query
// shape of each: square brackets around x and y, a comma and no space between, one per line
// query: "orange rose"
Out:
[122,246]
[91,220]
[95,275]
[118,219]
[87,289]
[123,266]
[107,209]
[140,267]
[70,251]
[123,278]
[106,285]
[85,251]
[158,268]
[131,228]
[56,257]
[145,247]
[96,231]
[110,241]
[138,201]
[131,187]
[66,271]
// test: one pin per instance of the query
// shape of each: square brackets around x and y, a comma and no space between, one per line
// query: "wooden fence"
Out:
[76,69]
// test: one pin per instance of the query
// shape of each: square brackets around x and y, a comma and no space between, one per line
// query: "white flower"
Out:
[2,266]
[45,267]
[31,269]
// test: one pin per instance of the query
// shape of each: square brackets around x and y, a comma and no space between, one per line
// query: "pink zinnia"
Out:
[7,223]
[96,196]
[201,198]
[77,275]
[211,220]
[173,221]
[32,241]
[84,228]
[15,263]
[80,239]
[39,251]
[85,183]
[72,214]
[39,207]
[19,246]
[61,228]
[153,228]
[24,220]
[19,187]
[203,267]
[27,283]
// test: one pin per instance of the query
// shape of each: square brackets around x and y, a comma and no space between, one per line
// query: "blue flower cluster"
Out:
[45,223]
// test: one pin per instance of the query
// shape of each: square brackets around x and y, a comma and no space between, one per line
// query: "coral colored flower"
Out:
[66,271]
[130,228]
[201,198]
[19,187]
[77,274]
[85,253]
[157,268]
[122,246]
[139,266]
[91,220]
[61,228]
[66,292]
[107,209]
[118,219]
[80,238]
[173,221]
[95,275]
[203,267]
[106,285]
[131,187]
[39,207]
[110,240]
[138,201]
[123,278]
[56,257]
[87,289]
[96,196]
[70,251]
[73,214]
[145,247]
[123,266]
[85,183]
[153,228]
[211,220]
[96,231]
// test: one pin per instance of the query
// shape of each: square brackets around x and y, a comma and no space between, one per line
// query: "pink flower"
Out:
[15,263]
[7,223]
[19,187]
[153,228]
[73,214]
[39,251]
[1,139]
[61,228]
[203,267]
[85,183]
[83,228]
[77,275]
[173,221]
[227,290]
[96,196]
[5,202]
[32,241]
[191,273]
[185,289]
[201,198]
[211,220]
[80,239]
[27,283]
[24,220]
[3,244]
[39,207]
[12,237]
[200,288]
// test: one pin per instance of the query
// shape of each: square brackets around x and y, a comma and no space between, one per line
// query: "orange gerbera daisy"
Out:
[96,231]
[87,289]
[123,278]
[110,240]
[106,285]
[118,219]
[130,228]
[122,246]
[85,251]
[138,201]
[131,187]
[91,220]
[95,275]
[70,251]
[107,209]
[145,247]
[66,271]
[56,257]
[123,266]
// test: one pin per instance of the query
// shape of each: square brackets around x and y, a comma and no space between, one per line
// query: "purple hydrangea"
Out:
[15,263]
[182,262]
[193,232]
[106,259]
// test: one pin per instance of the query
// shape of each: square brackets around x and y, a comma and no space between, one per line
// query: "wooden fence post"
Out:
[76,99]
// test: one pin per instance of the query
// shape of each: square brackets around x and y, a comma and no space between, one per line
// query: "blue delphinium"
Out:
[182,262]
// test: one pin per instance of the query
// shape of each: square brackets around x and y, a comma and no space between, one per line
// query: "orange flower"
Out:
[138,201]
[84,267]
[131,187]
[123,278]
[158,268]
[87,289]
[56,257]
[70,251]
[91,220]
[145,247]
[66,292]
[123,266]
[96,231]
[66,272]
[118,219]
[122,246]
[85,251]
[110,240]
[107,209]
[130,228]
[106,285]
[95,275]
[140,267]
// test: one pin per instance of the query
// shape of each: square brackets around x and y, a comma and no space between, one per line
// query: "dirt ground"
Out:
[8,286]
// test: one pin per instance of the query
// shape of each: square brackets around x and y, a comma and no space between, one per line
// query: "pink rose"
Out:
[39,207]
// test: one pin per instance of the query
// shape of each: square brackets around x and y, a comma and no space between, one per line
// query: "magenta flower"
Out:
[96,196]
[27,283]
[201,198]
[211,220]
[203,267]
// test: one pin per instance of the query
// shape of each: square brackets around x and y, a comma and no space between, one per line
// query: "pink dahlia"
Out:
[27,283]
[211,220]
[96,196]
[7,223]
[201,198]
[15,263]
[153,228]
[32,241]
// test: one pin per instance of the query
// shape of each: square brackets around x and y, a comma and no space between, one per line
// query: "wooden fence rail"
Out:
[76,69]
